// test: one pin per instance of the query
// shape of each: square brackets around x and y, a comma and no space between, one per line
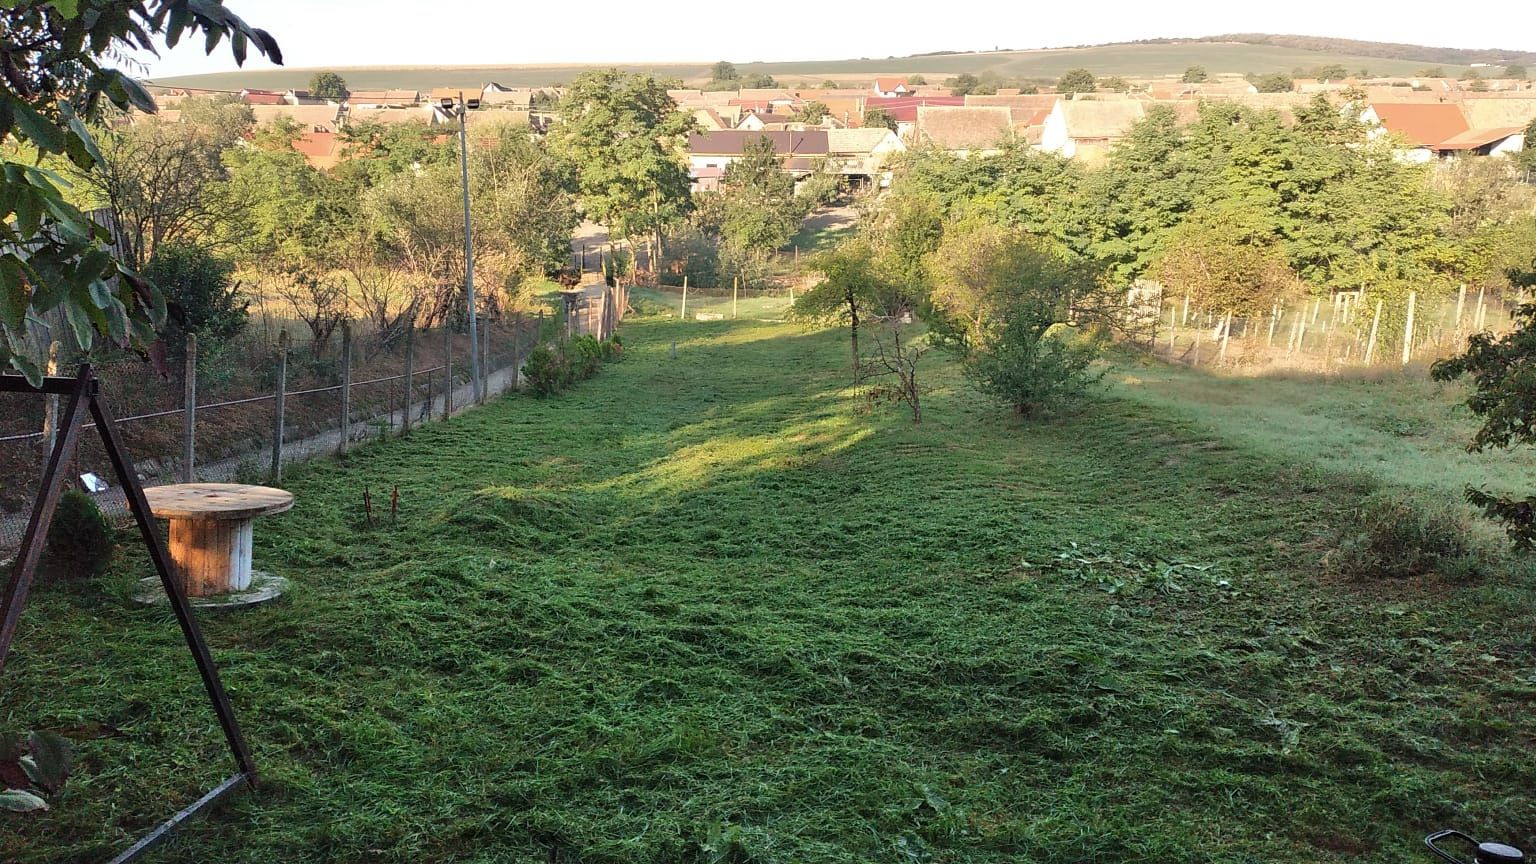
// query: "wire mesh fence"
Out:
[1347,330]
[259,405]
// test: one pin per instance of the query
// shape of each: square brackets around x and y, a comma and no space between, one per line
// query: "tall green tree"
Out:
[624,139]
[1195,75]
[57,76]
[328,85]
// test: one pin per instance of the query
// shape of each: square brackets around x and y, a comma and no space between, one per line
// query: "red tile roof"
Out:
[1425,124]
[1475,138]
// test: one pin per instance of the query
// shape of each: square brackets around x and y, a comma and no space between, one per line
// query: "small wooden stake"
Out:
[1370,345]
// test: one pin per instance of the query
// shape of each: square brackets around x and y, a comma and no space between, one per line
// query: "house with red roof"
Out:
[890,88]
[1439,130]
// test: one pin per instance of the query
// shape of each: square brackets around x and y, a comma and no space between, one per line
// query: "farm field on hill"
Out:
[714,608]
[1148,60]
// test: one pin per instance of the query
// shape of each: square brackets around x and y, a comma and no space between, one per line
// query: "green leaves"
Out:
[17,801]
[60,258]
[42,766]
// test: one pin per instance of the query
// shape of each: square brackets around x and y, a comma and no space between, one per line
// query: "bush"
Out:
[80,542]
[1397,535]
[553,369]
[547,371]
[1034,370]
[201,294]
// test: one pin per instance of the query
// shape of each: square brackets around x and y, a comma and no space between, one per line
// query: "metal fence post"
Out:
[346,386]
[517,350]
[279,408]
[410,364]
[189,412]
[447,371]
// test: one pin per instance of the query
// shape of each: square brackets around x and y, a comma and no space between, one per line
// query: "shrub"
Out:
[546,371]
[585,355]
[79,541]
[1396,535]
[203,297]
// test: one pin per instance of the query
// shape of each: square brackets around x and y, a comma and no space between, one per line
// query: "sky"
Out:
[338,33]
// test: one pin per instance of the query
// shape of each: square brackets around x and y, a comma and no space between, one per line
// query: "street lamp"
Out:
[458,109]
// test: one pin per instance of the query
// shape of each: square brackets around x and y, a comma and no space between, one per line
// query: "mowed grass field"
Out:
[1145,60]
[717,608]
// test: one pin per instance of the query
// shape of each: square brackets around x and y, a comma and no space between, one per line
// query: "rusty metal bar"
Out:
[166,828]
[160,556]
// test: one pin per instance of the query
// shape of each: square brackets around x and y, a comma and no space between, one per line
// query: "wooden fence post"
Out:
[1461,302]
[517,350]
[735,286]
[346,386]
[448,366]
[279,407]
[51,413]
[1269,342]
[1173,329]
[683,315]
[485,362]
[1226,336]
[1370,345]
[189,410]
[1408,328]
[1185,318]
[410,368]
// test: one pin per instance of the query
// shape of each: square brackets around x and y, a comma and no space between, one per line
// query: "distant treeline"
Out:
[1359,48]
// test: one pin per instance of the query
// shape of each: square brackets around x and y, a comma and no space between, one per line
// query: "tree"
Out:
[811,112]
[1430,72]
[1076,81]
[1003,302]
[850,286]
[1195,75]
[879,117]
[1115,84]
[623,137]
[1505,397]
[724,71]
[917,80]
[829,84]
[1331,72]
[1514,70]
[328,85]
[963,84]
[1222,270]
[55,79]
[755,211]
[160,182]
[1274,82]
[1526,158]
[202,296]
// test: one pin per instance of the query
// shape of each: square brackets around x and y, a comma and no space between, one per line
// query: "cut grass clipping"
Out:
[711,608]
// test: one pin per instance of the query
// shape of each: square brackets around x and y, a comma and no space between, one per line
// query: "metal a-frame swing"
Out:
[84,392]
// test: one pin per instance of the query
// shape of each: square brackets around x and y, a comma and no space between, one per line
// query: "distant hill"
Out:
[1236,53]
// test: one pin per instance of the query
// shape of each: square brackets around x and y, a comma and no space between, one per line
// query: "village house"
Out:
[382,98]
[863,155]
[710,153]
[892,88]
[1088,129]
[1439,130]
[964,130]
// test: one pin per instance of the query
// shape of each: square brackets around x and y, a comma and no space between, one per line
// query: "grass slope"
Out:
[712,609]
[1125,59]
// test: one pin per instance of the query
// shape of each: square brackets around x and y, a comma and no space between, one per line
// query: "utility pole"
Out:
[469,253]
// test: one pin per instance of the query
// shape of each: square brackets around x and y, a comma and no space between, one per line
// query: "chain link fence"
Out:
[260,404]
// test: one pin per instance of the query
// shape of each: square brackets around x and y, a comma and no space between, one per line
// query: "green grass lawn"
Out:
[714,608]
